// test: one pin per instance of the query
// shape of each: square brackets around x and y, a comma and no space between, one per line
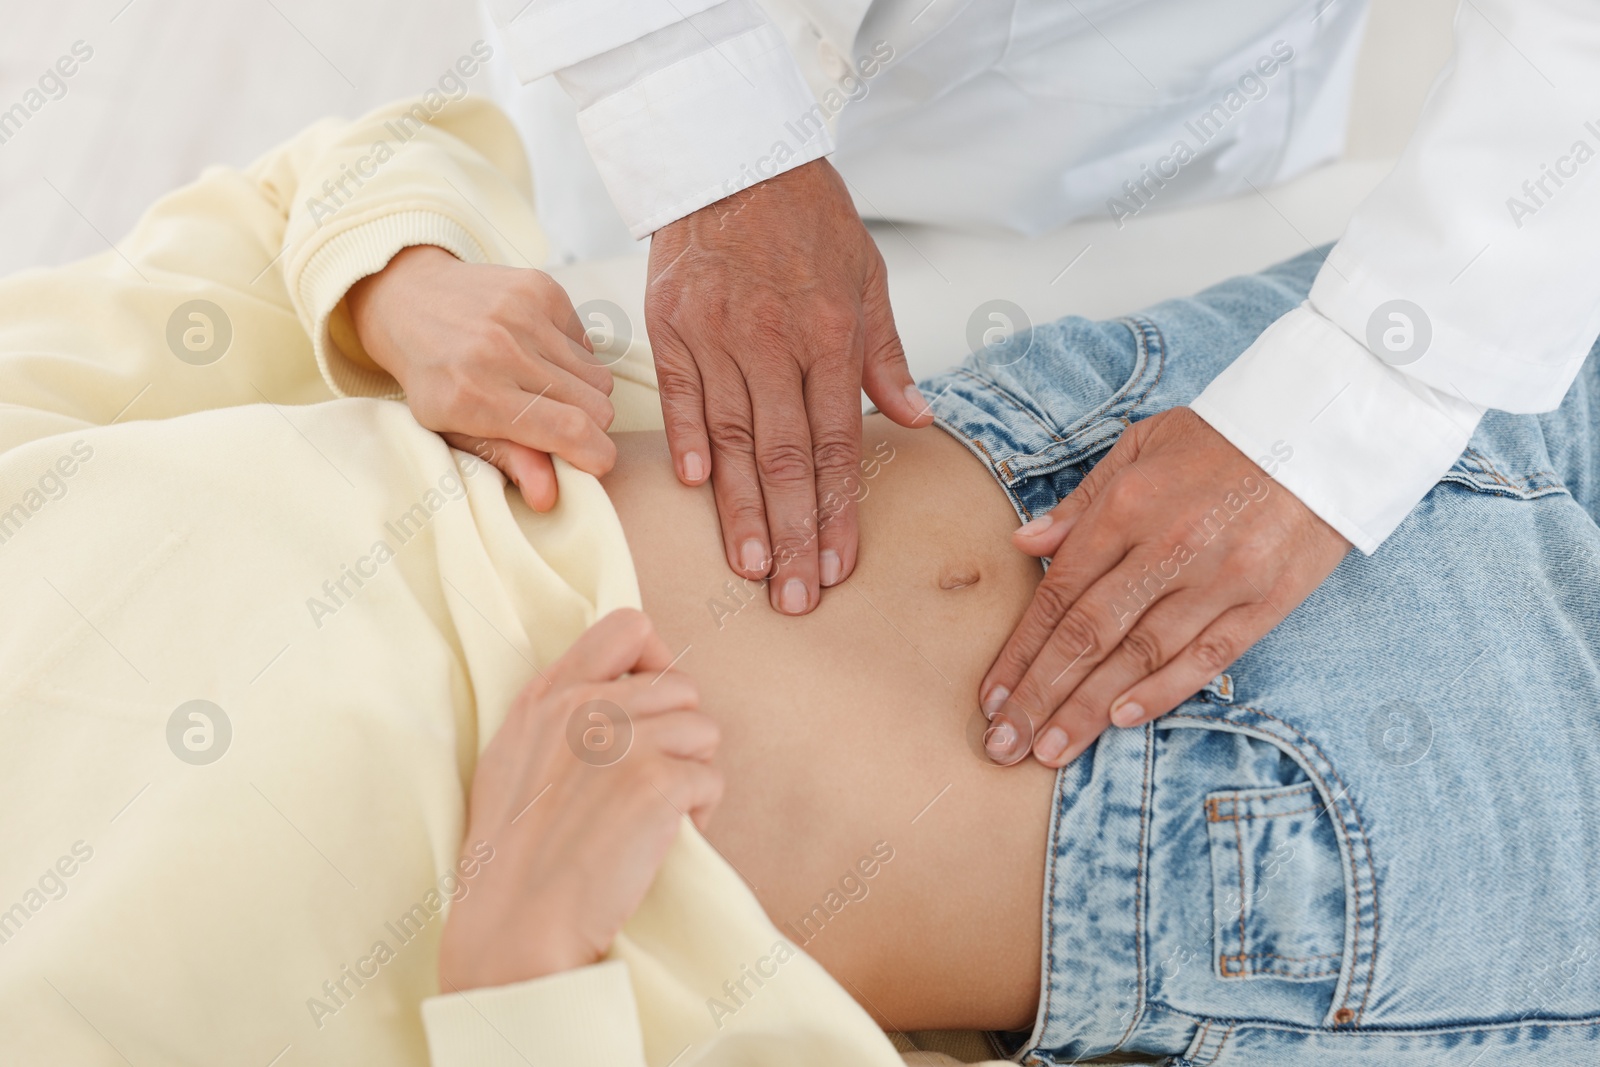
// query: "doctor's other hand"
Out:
[1172,558]
[768,312]
[566,837]
[492,358]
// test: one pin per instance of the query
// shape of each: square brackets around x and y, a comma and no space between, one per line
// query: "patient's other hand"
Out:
[493,358]
[579,830]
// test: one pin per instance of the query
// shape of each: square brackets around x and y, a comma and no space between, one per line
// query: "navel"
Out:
[959,577]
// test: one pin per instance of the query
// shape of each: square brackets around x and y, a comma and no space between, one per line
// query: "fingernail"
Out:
[830,565]
[1051,744]
[1036,525]
[753,557]
[999,739]
[996,698]
[793,598]
[694,468]
[1127,714]
[915,399]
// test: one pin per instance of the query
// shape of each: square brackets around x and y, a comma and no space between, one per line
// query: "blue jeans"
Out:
[1376,839]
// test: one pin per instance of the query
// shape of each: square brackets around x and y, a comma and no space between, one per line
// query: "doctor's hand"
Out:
[1172,558]
[768,313]
[565,836]
[492,358]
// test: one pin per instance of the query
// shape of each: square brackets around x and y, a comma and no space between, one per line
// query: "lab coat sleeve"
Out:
[1469,279]
[581,1018]
[680,102]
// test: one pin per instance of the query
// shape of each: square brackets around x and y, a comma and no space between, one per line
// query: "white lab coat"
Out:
[1469,279]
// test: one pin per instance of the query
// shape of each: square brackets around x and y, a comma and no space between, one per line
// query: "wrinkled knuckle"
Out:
[1011,663]
[835,453]
[790,544]
[1034,697]
[743,511]
[1076,633]
[734,437]
[784,464]
[1051,600]
[674,378]
[1213,652]
[1142,649]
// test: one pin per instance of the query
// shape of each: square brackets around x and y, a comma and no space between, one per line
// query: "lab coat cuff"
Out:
[581,1018]
[1355,439]
[344,259]
[703,128]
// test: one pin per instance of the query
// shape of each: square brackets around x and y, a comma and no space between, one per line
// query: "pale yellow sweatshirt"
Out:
[254,637]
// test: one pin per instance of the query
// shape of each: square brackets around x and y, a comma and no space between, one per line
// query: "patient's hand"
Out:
[577,844]
[493,358]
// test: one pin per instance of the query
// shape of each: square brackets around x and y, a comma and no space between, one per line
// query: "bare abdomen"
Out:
[857,807]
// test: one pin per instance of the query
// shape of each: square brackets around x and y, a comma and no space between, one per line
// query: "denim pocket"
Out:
[1277,884]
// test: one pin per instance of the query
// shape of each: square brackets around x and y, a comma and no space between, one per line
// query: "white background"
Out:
[176,85]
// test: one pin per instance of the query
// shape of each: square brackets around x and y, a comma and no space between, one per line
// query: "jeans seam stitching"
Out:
[1159,349]
[1509,1026]
[1277,956]
[1263,815]
[1118,400]
[1525,483]
[1234,798]
[1223,1043]
[1276,972]
[1011,398]
[1050,949]
[1238,840]
[1138,890]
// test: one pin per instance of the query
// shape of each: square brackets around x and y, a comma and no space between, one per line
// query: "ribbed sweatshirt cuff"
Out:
[356,253]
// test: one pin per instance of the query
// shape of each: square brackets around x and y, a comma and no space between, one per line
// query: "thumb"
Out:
[1044,534]
[885,375]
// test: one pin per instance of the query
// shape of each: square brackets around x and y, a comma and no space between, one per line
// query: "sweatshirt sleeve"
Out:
[582,1018]
[430,171]
[1464,282]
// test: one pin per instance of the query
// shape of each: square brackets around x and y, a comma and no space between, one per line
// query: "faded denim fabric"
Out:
[1376,839]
